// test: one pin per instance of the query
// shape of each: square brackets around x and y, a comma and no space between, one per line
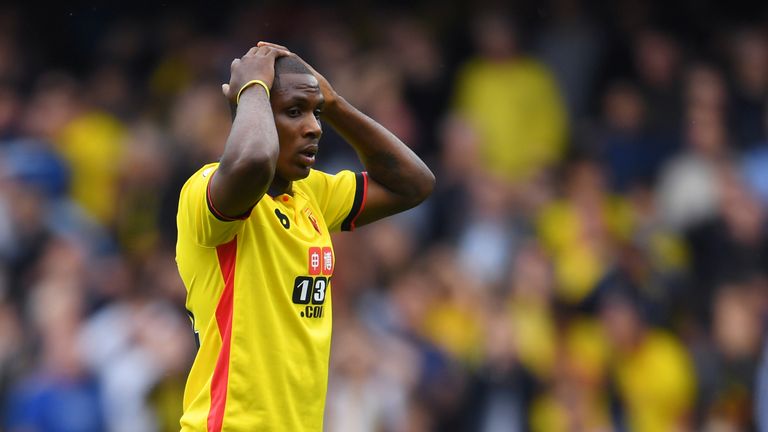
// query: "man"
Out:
[254,249]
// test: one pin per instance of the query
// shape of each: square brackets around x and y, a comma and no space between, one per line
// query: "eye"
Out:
[317,113]
[293,112]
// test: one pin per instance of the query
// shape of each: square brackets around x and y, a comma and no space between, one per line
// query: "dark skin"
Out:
[274,142]
[296,106]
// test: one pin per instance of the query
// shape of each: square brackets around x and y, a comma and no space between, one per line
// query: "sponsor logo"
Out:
[320,261]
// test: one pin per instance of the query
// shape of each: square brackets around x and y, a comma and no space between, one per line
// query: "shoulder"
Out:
[202,175]
[195,188]
[206,170]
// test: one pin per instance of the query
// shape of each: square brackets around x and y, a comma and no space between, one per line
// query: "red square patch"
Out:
[315,261]
[328,261]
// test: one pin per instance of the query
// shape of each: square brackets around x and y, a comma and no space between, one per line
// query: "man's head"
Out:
[296,103]
[288,65]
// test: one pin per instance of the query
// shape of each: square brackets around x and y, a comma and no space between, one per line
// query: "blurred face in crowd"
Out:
[737,325]
[623,107]
[705,88]
[750,61]
[296,104]
[622,323]
[494,36]
[656,57]
[741,210]
[706,130]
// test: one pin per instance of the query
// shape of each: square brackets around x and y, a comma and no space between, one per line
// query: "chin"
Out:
[300,173]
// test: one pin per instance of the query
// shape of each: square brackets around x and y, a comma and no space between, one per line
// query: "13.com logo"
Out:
[311,290]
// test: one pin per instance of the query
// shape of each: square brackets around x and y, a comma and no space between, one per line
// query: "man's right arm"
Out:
[247,165]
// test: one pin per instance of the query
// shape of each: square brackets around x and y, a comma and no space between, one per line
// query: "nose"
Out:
[312,128]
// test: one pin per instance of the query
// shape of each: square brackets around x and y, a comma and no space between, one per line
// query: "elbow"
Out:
[428,184]
[422,188]
[257,166]
[260,168]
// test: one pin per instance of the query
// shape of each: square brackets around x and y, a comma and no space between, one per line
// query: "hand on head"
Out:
[329,95]
[257,64]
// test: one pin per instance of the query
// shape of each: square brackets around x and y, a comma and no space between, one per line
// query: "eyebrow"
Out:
[313,88]
[302,99]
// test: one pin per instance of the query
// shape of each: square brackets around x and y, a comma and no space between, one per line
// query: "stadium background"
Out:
[594,257]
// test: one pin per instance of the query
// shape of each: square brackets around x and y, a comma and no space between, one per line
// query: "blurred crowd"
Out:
[594,257]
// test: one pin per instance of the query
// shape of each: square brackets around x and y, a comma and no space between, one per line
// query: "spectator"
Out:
[512,100]
[625,147]
[59,393]
[572,46]
[664,402]
[748,55]
[657,61]
[89,140]
[581,231]
[686,191]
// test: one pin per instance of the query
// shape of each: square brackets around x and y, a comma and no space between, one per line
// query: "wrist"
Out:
[250,84]
[333,106]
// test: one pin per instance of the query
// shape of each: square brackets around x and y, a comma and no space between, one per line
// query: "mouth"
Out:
[307,155]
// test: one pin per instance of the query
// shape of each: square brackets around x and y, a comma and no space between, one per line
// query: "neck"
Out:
[279,186]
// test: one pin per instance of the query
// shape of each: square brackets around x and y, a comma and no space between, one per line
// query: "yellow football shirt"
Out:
[258,294]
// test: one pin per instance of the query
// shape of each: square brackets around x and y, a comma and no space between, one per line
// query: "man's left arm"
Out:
[397,178]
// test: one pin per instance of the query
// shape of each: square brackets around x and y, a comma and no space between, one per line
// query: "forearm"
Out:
[386,158]
[248,163]
[253,136]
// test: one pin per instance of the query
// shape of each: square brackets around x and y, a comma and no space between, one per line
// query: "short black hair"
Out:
[288,65]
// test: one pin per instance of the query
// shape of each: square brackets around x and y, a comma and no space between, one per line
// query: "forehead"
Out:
[294,84]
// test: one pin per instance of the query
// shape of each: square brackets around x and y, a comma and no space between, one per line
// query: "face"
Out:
[296,105]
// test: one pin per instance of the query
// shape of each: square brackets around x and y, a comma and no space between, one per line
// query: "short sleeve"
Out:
[197,219]
[340,197]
